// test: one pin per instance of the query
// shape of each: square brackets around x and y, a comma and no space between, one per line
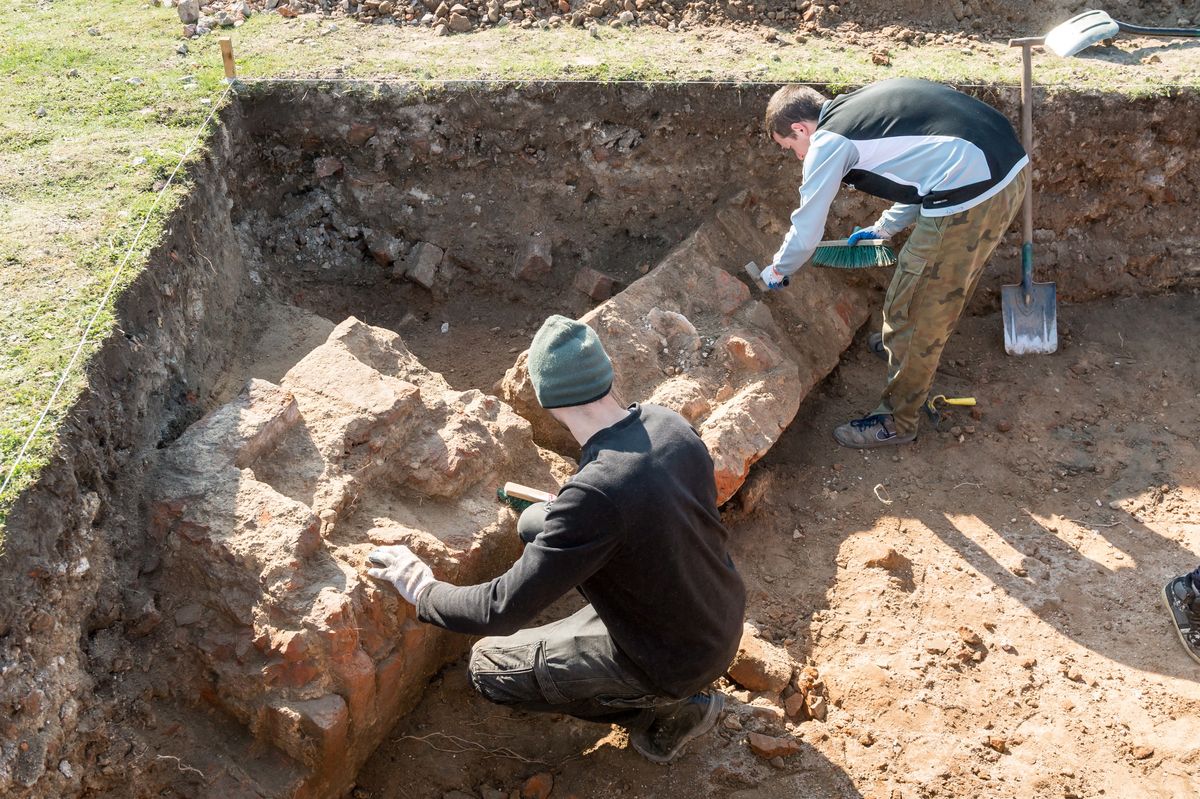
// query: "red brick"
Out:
[596,285]
[534,260]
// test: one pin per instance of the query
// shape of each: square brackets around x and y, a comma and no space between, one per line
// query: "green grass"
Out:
[82,145]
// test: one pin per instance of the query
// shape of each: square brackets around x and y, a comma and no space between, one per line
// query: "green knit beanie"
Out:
[568,365]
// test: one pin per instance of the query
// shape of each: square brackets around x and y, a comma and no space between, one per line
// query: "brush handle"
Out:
[846,242]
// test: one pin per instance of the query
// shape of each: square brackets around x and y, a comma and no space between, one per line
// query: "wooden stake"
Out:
[227,57]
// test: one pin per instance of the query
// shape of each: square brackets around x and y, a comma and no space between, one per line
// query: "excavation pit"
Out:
[359,268]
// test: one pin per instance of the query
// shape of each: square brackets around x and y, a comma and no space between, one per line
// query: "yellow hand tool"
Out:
[931,406]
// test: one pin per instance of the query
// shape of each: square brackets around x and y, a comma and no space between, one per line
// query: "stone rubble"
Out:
[690,336]
[857,22]
[267,507]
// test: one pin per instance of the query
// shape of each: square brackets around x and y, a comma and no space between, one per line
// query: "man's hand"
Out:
[866,233]
[773,279]
[400,566]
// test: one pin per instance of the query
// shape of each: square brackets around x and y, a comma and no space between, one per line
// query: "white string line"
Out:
[108,293]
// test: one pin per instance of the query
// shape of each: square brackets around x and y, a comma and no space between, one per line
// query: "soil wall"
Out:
[338,182]
[76,545]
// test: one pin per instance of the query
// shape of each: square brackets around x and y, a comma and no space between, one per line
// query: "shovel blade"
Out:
[1081,32]
[1030,328]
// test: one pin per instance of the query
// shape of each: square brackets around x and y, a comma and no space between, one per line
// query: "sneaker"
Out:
[870,432]
[665,738]
[1183,602]
[875,345]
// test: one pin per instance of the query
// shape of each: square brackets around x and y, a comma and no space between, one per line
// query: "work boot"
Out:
[1183,602]
[875,346]
[666,736]
[869,432]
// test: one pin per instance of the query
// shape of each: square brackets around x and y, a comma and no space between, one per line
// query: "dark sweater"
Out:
[637,531]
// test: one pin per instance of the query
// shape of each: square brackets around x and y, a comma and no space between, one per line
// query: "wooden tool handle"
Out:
[518,491]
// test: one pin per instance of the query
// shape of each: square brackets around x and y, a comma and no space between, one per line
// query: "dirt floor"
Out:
[1017,647]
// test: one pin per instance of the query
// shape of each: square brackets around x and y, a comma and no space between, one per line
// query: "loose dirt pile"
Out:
[908,21]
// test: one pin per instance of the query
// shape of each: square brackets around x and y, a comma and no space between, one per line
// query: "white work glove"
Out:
[867,233]
[400,566]
[773,278]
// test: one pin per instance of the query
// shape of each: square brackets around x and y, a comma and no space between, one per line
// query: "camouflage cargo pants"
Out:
[936,275]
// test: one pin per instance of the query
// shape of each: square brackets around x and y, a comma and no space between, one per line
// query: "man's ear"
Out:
[802,127]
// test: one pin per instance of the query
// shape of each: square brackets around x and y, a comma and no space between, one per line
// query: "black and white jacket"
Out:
[930,149]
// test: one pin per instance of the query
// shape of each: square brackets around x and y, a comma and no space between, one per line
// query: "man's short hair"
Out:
[791,104]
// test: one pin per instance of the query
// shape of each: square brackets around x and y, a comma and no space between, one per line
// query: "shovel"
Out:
[1030,309]
[1092,27]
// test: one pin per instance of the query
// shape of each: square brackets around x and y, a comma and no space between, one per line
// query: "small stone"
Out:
[881,556]
[460,23]
[189,11]
[1003,426]
[769,746]
[795,705]
[998,744]
[40,112]
[1142,752]
[422,263]
[732,722]
[93,31]
[326,166]
[817,706]
[969,636]
[538,786]
[441,29]
[759,665]
[182,49]
[534,261]
[596,285]
[880,58]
